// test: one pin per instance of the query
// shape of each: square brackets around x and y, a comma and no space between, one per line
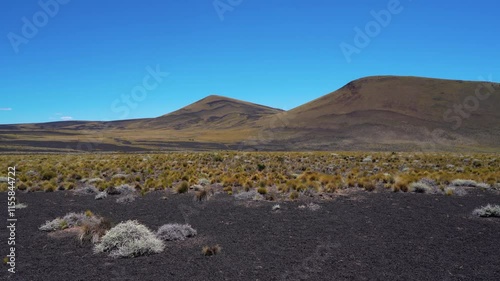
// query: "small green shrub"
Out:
[261,167]
[262,190]
[47,175]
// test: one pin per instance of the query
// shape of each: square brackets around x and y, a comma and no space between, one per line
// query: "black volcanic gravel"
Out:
[360,236]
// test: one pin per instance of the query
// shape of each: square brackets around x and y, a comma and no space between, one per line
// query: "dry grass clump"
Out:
[203,194]
[93,230]
[262,190]
[211,250]
[183,187]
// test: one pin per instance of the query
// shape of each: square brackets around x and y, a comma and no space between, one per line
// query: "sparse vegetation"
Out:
[288,173]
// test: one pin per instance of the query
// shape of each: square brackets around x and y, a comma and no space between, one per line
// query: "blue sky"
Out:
[84,58]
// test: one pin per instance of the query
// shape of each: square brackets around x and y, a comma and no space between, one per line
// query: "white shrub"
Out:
[246,195]
[203,182]
[126,199]
[461,182]
[101,195]
[455,190]
[94,180]
[420,187]
[313,206]
[75,219]
[68,221]
[125,189]
[119,176]
[487,211]
[86,190]
[174,232]
[52,225]
[129,239]
[21,206]
[484,185]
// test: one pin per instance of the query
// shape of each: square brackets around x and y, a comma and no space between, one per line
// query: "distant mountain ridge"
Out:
[371,113]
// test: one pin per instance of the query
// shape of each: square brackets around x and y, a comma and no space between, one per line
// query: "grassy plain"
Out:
[275,174]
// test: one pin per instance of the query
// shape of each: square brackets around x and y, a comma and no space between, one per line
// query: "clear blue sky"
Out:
[88,54]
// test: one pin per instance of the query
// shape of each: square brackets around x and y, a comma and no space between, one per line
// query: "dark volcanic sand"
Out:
[362,236]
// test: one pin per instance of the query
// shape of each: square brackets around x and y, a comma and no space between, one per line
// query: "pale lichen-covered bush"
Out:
[101,195]
[125,189]
[483,185]
[460,182]
[87,190]
[119,176]
[129,239]
[94,180]
[126,199]
[68,221]
[52,225]
[203,182]
[75,219]
[487,211]
[249,195]
[174,232]
[313,206]
[420,187]
[21,206]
